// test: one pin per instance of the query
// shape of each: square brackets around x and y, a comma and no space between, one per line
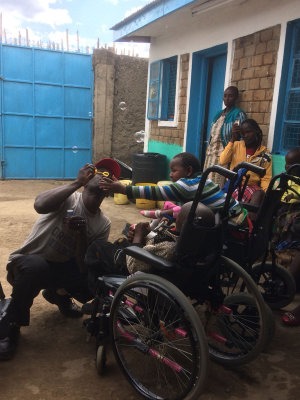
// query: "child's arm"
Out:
[181,191]
[227,153]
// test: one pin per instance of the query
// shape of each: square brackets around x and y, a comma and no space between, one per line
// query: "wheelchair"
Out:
[252,247]
[163,326]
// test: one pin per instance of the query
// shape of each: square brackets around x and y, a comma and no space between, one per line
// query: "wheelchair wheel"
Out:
[158,339]
[237,327]
[276,284]
[101,359]
[245,317]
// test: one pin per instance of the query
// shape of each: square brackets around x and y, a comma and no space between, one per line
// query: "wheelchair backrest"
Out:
[198,245]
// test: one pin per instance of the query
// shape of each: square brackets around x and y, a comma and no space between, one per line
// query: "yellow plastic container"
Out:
[145,204]
[160,204]
[122,198]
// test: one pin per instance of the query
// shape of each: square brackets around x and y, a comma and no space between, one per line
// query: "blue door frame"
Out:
[46,106]
[206,96]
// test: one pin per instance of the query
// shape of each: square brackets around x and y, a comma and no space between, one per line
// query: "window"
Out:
[162,89]
[288,123]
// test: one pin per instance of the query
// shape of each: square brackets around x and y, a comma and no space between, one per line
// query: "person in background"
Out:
[249,149]
[286,238]
[52,257]
[225,122]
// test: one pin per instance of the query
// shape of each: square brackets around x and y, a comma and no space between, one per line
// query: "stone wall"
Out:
[120,87]
[175,135]
[253,72]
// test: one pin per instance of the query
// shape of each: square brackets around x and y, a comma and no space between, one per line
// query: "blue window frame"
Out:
[162,89]
[287,128]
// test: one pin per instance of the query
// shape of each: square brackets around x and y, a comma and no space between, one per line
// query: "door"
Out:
[206,97]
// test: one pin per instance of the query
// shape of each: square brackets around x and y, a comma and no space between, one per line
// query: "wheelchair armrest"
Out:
[152,259]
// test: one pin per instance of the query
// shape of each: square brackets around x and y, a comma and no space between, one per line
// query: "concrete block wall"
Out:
[253,72]
[118,79]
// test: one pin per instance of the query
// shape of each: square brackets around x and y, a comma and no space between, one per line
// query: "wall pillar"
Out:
[104,80]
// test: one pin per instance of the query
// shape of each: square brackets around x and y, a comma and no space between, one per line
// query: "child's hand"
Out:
[140,232]
[235,132]
[111,186]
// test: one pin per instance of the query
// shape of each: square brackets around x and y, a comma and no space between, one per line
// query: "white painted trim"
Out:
[278,72]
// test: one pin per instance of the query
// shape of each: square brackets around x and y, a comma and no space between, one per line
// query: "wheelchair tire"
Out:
[232,280]
[101,359]
[276,284]
[246,313]
[158,339]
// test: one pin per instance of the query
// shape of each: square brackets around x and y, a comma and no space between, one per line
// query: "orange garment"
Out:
[235,153]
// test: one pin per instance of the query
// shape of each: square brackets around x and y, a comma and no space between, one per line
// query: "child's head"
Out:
[204,213]
[251,133]
[184,165]
[292,157]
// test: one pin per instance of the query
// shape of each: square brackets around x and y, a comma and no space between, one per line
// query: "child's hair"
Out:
[189,160]
[256,128]
[293,157]
[294,154]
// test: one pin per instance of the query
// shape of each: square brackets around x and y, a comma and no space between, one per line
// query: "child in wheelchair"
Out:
[104,258]
[286,238]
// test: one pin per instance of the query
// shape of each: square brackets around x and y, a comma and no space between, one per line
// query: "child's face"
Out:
[177,170]
[249,135]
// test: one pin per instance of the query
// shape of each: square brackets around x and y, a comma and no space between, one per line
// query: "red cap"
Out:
[110,165]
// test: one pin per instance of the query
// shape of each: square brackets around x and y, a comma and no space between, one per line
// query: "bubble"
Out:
[122,105]
[139,136]
[75,149]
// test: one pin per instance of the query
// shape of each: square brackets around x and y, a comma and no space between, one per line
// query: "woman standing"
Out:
[224,123]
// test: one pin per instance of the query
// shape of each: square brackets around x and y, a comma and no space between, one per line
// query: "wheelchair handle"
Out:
[231,175]
[227,173]
[260,171]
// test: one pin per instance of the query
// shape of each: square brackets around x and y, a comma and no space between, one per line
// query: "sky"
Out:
[77,23]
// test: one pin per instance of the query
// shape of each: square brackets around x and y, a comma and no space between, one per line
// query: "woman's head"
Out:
[230,96]
[251,133]
[184,165]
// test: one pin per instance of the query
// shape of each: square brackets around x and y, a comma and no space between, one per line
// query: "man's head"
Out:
[110,166]
[106,167]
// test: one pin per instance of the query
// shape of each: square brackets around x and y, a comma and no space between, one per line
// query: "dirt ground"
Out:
[54,360]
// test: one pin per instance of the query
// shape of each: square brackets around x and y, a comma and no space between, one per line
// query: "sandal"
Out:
[290,319]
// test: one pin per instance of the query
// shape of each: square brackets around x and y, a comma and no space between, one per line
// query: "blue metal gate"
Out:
[46,106]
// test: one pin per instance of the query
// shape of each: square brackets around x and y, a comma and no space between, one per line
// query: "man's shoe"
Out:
[64,303]
[8,345]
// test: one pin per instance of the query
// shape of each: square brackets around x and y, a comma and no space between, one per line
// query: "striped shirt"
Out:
[184,190]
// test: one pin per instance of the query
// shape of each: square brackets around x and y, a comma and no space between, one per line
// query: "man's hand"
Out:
[85,174]
[111,186]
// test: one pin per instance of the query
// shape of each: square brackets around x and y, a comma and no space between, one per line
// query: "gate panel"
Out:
[46,118]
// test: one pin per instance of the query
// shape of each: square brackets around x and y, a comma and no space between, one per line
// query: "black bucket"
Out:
[148,167]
